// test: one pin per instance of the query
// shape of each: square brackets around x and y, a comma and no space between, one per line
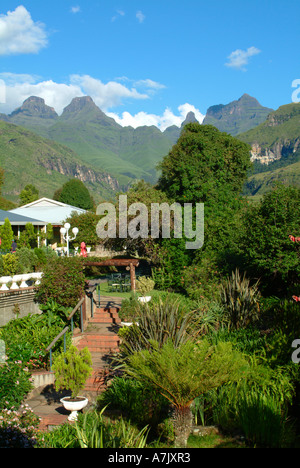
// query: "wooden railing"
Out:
[79,305]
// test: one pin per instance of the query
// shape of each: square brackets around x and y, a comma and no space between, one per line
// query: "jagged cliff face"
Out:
[83,173]
[278,137]
[274,153]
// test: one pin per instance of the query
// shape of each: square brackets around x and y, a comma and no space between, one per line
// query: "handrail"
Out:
[57,338]
[64,331]
[70,317]
[76,308]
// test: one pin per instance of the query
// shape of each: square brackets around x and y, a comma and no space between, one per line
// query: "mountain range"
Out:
[84,142]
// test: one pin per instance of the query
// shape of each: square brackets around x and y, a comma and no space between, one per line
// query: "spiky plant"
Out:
[240,300]
[159,321]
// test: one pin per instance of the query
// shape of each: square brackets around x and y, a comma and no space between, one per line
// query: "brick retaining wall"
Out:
[25,300]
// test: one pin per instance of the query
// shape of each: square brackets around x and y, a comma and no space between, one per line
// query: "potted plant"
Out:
[71,370]
[88,248]
[144,285]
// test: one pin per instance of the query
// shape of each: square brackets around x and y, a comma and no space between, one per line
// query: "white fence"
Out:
[13,283]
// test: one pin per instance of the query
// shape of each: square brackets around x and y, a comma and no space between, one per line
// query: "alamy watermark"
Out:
[188,221]
[296,93]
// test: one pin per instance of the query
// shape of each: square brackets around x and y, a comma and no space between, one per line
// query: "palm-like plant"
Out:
[182,373]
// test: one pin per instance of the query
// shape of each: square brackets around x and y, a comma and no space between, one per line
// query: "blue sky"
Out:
[149,61]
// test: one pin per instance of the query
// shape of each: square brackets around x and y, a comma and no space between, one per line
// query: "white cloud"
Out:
[105,95]
[140,16]
[119,13]
[239,58]
[19,34]
[75,9]
[59,95]
[149,84]
[20,87]
[167,119]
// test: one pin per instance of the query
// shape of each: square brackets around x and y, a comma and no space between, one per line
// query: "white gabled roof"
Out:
[44,202]
[47,210]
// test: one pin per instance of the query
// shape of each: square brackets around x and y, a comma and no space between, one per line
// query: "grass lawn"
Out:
[214,441]
[104,291]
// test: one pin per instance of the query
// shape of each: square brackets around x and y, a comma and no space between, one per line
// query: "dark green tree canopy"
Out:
[268,251]
[75,193]
[29,194]
[204,165]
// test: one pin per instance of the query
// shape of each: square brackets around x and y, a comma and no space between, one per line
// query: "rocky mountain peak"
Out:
[237,116]
[35,107]
[79,103]
[84,109]
[190,118]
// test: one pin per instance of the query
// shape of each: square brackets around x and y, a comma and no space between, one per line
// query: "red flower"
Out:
[296,298]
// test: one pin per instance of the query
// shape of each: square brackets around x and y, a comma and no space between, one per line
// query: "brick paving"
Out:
[100,336]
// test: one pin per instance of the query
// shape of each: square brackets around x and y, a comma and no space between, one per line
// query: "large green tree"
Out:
[210,167]
[205,166]
[75,193]
[29,194]
[265,244]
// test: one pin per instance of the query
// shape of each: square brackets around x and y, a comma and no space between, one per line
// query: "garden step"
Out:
[106,314]
[100,337]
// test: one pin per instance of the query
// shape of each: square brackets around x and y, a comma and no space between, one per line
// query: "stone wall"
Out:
[23,298]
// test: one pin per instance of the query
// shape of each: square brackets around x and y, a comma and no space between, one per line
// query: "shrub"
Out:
[18,427]
[6,235]
[93,430]
[201,280]
[137,401]
[28,237]
[72,369]
[27,338]
[14,384]
[257,404]
[62,281]
[27,260]
[43,255]
[10,264]
[144,285]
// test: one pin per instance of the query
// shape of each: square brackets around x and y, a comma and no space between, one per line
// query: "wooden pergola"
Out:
[129,263]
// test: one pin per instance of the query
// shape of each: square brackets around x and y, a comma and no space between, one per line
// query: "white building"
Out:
[48,211]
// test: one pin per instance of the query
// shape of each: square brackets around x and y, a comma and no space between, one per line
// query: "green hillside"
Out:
[30,159]
[116,155]
[258,184]
[125,153]
[281,125]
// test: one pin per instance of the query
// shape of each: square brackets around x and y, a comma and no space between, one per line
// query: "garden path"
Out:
[100,336]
